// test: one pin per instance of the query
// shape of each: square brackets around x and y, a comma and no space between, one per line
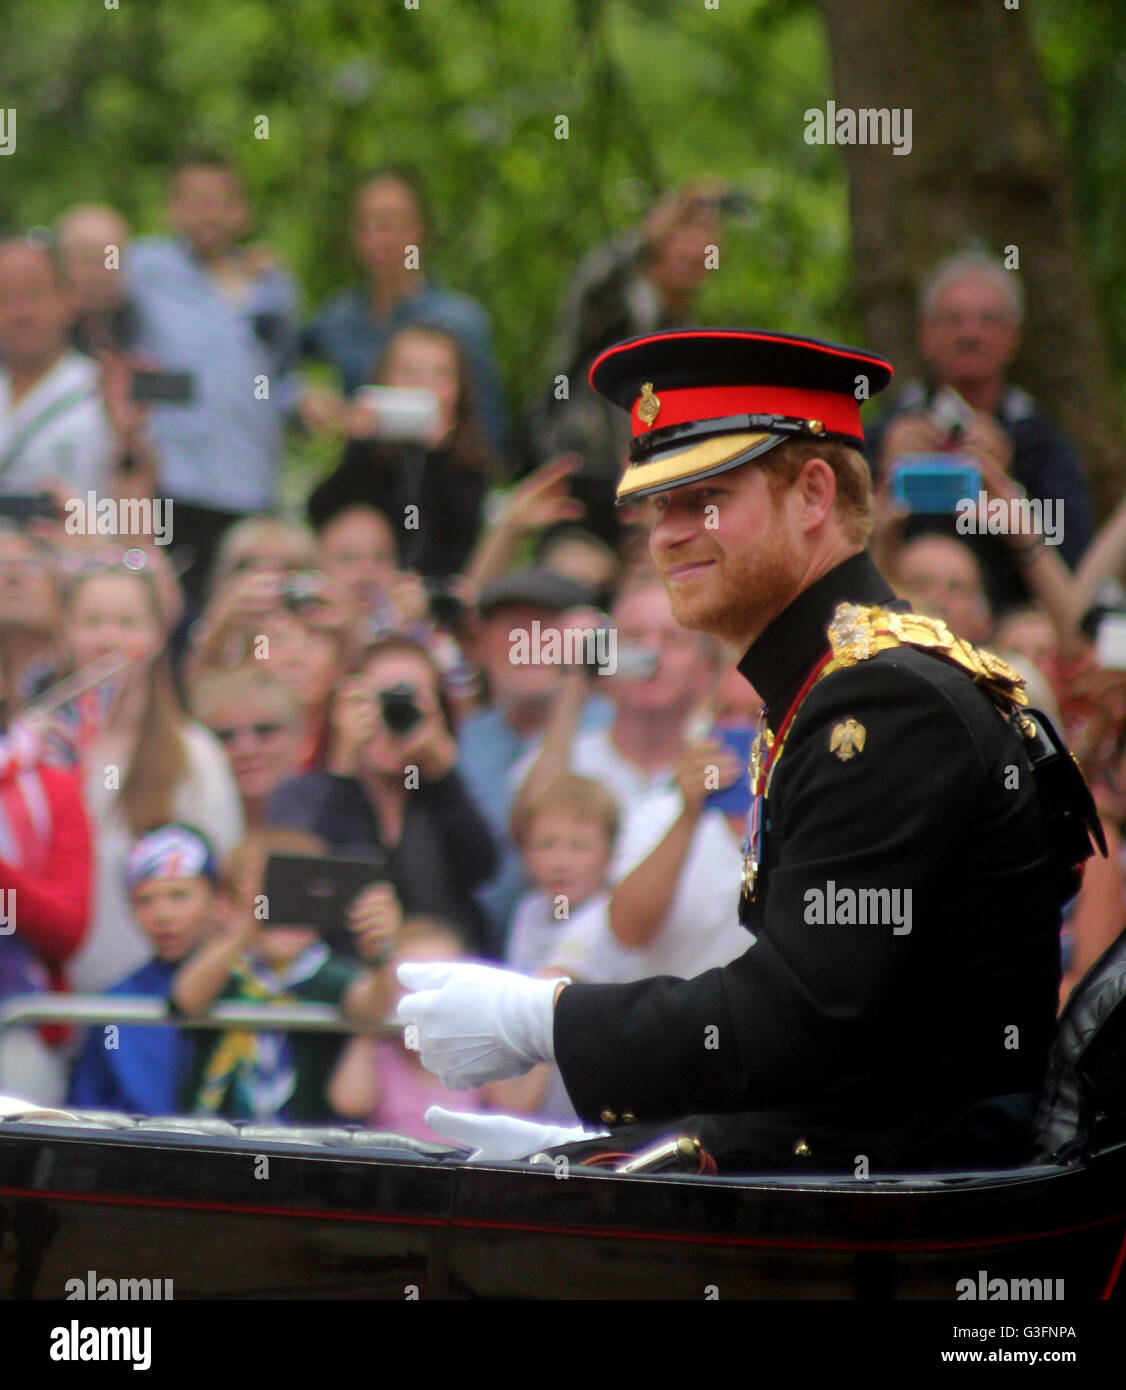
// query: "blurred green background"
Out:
[655,91]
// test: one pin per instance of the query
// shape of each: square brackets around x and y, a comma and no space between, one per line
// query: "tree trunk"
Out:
[986,164]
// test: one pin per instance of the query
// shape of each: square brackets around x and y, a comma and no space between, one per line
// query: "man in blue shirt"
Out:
[225,314]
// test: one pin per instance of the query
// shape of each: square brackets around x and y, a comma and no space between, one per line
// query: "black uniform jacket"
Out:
[831,1039]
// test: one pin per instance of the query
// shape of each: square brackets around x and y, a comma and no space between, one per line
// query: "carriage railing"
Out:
[92,1009]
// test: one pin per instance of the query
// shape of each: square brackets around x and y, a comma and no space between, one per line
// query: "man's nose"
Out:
[674,526]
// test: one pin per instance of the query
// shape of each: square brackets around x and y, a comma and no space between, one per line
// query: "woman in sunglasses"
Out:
[258,721]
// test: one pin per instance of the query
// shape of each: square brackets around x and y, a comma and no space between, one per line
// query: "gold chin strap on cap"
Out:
[683,466]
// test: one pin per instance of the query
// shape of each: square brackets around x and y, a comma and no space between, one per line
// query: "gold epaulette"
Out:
[858,632]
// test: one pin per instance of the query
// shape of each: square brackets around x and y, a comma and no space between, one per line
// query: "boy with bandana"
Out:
[172,877]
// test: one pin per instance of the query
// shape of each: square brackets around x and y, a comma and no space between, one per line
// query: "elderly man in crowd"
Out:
[971,312]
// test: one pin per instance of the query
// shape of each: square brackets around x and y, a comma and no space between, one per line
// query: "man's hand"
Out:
[126,417]
[996,483]
[910,433]
[692,772]
[475,1024]
[542,498]
[985,440]
[501,1137]
[697,201]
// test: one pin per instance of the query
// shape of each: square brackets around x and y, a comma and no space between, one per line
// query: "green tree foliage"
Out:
[655,92]
[1083,52]
[469,93]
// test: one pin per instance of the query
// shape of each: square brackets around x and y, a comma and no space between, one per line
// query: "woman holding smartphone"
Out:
[431,457]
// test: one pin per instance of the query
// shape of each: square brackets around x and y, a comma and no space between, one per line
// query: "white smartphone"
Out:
[950,413]
[409,414]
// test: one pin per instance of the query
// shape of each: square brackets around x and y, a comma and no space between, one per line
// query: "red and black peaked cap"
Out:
[704,400]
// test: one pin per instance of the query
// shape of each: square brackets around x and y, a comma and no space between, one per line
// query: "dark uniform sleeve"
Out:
[798,1010]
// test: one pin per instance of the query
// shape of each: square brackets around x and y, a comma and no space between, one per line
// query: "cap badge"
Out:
[650,406]
[847,739]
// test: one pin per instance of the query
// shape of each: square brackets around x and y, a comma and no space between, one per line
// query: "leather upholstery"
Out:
[1092,1029]
[321,1136]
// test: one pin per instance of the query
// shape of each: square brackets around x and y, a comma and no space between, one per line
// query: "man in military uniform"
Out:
[901,886]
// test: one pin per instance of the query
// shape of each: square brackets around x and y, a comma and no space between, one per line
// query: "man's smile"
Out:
[687,569]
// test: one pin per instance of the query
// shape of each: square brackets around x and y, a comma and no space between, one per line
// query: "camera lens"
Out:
[399,708]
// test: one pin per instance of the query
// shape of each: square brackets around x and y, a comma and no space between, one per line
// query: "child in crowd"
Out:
[566,833]
[171,877]
[382,1083]
[279,1076]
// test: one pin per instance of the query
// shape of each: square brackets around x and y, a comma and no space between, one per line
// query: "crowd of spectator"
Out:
[183,708]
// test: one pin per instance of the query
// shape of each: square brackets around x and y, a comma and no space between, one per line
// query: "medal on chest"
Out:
[757,768]
[766,751]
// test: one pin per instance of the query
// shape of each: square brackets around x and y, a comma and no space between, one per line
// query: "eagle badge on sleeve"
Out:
[847,739]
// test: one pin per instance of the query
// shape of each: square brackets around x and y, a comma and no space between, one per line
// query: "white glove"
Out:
[30,1110]
[476,1024]
[503,1136]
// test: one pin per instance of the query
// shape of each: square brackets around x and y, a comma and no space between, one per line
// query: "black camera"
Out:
[302,588]
[445,607]
[24,506]
[399,708]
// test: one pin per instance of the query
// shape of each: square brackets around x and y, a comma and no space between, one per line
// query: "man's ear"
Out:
[817,484]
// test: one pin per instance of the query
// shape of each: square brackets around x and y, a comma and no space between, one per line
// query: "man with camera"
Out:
[645,280]
[901,877]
